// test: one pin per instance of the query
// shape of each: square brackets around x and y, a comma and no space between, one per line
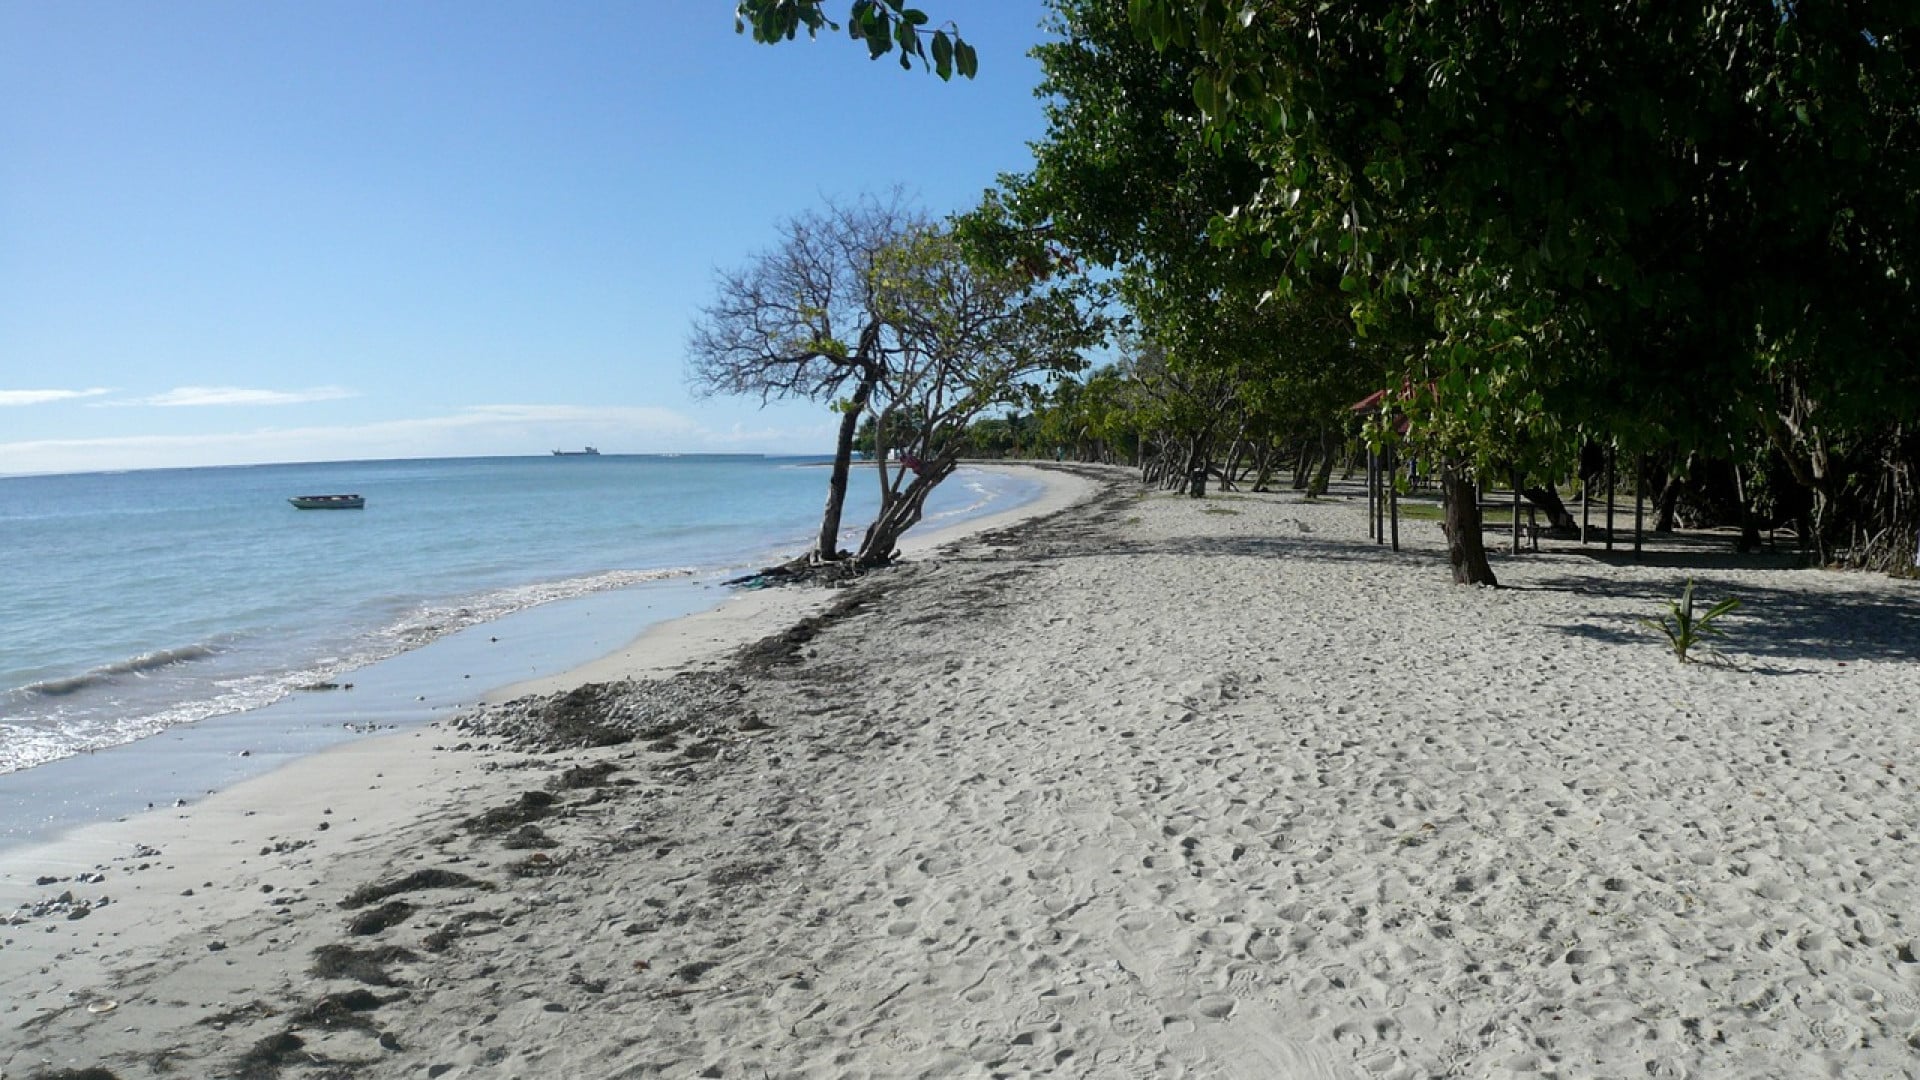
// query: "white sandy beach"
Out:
[1149,787]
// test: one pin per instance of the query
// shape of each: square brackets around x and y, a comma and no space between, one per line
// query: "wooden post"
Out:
[1516,513]
[1586,508]
[1393,494]
[1380,497]
[1610,474]
[1371,492]
[1639,503]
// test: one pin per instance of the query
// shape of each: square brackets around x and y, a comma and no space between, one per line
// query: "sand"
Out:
[1148,787]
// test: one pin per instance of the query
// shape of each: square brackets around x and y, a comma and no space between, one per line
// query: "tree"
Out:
[809,319]
[1661,226]
[975,334]
[882,25]
[1128,178]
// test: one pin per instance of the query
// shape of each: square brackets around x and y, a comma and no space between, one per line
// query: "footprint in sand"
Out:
[1215,1007]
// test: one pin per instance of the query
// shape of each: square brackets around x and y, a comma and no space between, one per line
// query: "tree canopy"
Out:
[1652,218]
[891,319]
[1685,228]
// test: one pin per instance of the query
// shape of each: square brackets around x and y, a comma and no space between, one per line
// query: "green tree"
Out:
[1659,225]
[1129,179]
[881,25]
[975,334]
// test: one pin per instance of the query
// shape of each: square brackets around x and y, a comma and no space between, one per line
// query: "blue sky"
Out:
[244,232]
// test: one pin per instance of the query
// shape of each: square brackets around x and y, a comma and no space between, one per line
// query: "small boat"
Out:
[328,502]
[588,452]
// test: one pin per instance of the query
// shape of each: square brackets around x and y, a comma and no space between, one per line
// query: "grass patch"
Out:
[1218,510]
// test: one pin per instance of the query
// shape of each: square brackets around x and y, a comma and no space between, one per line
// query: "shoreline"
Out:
[1151,786]
[702,637]
[410,689]
[295,621]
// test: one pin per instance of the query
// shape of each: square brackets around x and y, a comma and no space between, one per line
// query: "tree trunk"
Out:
[1548,501]
[1323,475]
[900,513]
[1196,463]
[1262,466]
[1667,506]
[827,547]
[1466,547]
[1228,464]
[1301,463]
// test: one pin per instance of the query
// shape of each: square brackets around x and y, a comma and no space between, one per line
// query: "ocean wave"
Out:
[71,730]
[107,673]
[433,621]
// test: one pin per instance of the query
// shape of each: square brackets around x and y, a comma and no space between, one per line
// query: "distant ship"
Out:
[588,452]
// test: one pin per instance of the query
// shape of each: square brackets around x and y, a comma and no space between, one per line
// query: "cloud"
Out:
[41,397]
[239,395]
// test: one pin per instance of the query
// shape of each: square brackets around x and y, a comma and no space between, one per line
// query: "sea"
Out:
[145,602]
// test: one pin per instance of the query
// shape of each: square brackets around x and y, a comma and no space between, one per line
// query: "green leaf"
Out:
[964,59]
[1203,96]
[942,54]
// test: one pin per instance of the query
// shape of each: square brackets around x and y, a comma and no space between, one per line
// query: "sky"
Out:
[235,232]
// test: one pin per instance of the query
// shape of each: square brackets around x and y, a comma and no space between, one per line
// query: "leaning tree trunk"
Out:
[827,547]
[1198,453]
[901,512]
[1262,466]
[1323,473]
[1548,502]
[1666,504]
[1466,547]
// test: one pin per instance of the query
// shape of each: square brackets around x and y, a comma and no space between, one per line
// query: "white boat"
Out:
[328,502]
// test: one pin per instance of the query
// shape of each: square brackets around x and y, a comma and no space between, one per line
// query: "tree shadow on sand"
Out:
[1306,546]
[1772,623]
[1779,626]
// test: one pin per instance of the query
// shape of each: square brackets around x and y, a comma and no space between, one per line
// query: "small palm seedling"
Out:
[1686,628]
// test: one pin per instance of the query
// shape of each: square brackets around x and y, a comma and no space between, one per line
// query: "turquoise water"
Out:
[136,602]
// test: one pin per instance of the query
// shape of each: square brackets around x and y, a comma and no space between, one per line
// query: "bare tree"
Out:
[804,320]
